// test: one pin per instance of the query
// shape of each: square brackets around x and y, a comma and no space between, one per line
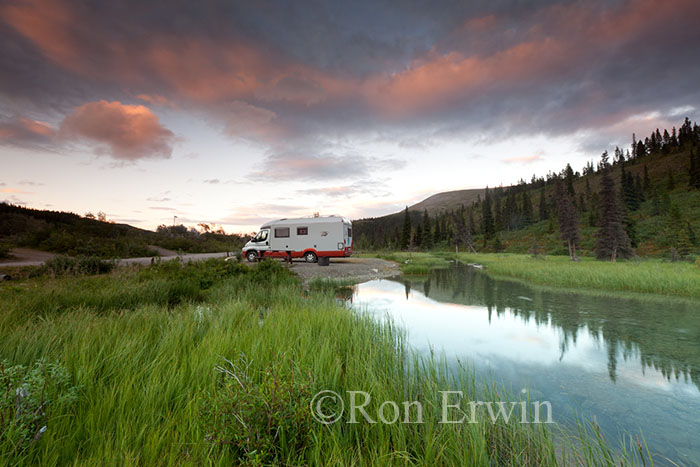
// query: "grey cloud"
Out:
[344,48]
[373,186]
[30,183]
[327,166]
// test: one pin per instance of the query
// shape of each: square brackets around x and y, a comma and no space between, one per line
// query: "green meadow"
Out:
[216,363]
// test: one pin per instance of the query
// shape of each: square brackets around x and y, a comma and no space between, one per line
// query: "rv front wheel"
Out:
[251,256]
[310,257]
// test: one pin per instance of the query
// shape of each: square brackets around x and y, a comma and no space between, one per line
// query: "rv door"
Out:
[262,240]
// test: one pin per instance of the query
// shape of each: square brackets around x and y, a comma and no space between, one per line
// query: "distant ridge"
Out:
[448,200]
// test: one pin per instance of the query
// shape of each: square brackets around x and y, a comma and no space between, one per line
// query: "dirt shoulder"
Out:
[26,257]
[346,269]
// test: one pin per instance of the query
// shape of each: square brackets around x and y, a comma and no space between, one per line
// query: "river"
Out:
[632,364]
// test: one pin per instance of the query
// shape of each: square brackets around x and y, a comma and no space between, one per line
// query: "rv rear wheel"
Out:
[251,256]
[310,257]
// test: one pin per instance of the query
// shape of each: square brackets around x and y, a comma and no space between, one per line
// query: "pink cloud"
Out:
[126,132]
[24,130]
[562,39]
[14,191]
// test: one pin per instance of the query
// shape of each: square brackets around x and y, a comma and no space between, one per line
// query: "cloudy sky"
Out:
[237,112]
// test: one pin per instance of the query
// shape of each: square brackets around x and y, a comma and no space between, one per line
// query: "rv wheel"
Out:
[310,257]
[251,256]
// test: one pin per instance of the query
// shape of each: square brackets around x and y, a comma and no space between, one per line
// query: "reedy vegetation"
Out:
[650,276]
[141,345]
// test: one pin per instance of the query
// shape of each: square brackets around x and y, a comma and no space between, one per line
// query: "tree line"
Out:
[599,205]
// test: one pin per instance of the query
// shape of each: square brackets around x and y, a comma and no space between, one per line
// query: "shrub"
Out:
[81,265]
[263,416]
[27,397]
[4,250]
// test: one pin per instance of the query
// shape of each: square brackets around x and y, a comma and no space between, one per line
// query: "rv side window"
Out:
[302,231]
[281,232]
[350,232]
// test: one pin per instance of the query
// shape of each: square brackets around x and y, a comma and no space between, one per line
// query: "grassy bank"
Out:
[643,276]
[651,276]
[139,347]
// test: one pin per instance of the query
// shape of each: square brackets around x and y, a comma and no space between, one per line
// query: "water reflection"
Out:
[633,364]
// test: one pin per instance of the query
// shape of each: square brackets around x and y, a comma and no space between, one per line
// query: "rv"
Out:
[308,238]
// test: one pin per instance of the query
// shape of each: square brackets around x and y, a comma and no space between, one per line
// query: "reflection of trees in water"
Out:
[663,336]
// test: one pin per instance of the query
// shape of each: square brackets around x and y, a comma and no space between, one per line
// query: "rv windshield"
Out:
[261,236]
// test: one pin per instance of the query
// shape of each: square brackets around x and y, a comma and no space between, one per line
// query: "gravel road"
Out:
[351,269]
[26,257]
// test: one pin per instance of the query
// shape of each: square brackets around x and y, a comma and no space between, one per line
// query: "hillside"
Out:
[447,201]
[660,198]
[71,234]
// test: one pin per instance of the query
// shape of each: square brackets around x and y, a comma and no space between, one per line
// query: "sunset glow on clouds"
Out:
[356,109]
[128,132]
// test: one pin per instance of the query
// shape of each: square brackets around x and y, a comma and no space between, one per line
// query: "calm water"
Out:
[632,364]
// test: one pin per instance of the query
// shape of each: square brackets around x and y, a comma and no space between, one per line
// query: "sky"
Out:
[233,113]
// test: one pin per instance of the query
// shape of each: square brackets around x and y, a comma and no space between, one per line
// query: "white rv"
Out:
[307,237]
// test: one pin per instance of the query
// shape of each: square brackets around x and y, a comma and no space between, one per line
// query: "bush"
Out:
[81,265]
[263,416]
[27,397]
[4,250]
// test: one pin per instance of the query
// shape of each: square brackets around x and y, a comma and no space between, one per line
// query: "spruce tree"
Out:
[406,232]
[641,149]
[527,209]
[544,214]
[569,177]
[568,221]
[427,241]
[612,239]
[629,191]
[487,226]
[500,209]
[470,223]
[594,210]
[695,168]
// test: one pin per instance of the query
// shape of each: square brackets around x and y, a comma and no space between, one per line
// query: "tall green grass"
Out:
[144,368]
[643,276]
